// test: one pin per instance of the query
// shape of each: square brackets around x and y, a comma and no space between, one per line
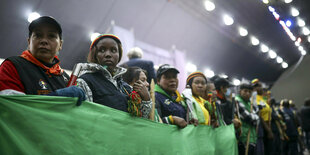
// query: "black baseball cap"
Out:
[246,86]
[45,20]
[164,68]
[219,81]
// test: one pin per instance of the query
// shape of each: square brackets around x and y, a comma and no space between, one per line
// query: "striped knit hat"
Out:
[112,36]
[191,76]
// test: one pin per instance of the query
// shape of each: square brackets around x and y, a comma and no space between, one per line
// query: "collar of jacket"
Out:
[192,103]
[93,67]
[160,90]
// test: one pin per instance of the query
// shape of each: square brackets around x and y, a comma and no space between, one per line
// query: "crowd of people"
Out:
[262,124]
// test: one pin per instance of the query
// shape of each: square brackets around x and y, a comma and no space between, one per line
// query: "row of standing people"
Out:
[37,71]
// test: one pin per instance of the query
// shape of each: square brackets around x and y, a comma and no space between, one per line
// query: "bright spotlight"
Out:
[191,67]
[93,36]
[303,52]
[254,41]
[272,54]
[284,65]
[288,23]
[297,43]
[300,48]
[243,32]
[228,20]
[209,73]
[288,1]
[266,1]
[301,22]
[294,12]
[236,82]
[264,48]
[305,31]
[33,16]
[276,15]
[271,9]
[223,76]
[209,6]
[279,59]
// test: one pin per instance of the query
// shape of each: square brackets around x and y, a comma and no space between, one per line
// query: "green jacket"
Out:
[246,126]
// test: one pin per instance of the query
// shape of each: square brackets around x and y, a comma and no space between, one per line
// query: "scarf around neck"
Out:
[160,90]
[55,69]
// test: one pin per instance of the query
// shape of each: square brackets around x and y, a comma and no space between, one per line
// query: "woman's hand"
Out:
[194,121]
[142,90]
[180,122]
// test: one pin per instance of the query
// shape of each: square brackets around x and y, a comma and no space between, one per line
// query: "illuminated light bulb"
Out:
[236,82]
[243,32]
[305,31]
[254,41]
[284,65]
[279,60]
[276,15]
[191,67]
[272,54]
[33,16]
[93,36]
[228,20]
[300,22]
[294,12]
[264,48]
[209,6]
[300,48]
[223,75]
[288,23]
[209,73]
[271,9]
[288,1]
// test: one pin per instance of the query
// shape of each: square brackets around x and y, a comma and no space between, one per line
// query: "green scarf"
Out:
[160,90]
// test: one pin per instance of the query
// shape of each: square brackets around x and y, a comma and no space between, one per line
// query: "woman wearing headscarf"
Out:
[101,79]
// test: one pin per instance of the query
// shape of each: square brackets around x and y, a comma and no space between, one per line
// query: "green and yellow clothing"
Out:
[218,112]
[249,119]
[196,111]
[265,112]
[206,113]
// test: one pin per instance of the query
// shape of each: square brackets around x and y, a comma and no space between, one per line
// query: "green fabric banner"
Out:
[34,125]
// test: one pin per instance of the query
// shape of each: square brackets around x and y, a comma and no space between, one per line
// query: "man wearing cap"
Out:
[168,99]
[36,71]
[101,78]
[249,117]
[135,59]
[228,108]
[265,135]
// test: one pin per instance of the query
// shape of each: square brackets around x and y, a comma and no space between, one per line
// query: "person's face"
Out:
[259,90]
[199,86]
[44,43]
[211,89]
[107,53]
[143,78]
[245,94]
[223,89]
[169,82]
